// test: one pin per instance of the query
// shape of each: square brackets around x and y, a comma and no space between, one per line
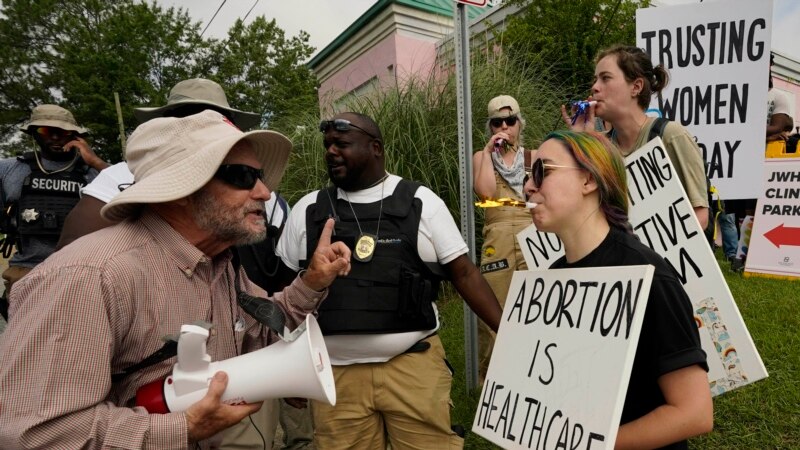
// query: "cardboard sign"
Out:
[664,220]
[775,240]
[717,56]
[563,357]
[539,249]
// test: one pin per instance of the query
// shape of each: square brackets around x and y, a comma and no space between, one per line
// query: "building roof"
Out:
[441,7]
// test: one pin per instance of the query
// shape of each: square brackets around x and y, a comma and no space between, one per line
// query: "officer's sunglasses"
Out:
[240,176]
[538,172]
[497,122]
[342,125]
[55,134]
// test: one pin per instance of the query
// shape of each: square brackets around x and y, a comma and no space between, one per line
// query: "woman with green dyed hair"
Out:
[578,185]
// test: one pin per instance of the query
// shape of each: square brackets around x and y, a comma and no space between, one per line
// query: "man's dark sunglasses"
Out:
[498,121]
[55,133]
[239,175]
[342,125]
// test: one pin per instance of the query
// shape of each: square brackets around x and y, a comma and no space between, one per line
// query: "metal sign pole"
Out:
[464,102]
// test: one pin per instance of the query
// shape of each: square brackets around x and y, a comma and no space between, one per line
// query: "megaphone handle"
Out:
[192,355]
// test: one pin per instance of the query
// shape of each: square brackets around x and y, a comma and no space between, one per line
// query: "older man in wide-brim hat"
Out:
[96,310]
[186,98]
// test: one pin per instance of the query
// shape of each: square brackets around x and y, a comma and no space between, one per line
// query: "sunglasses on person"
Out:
[342,125]
[497,122]
[56,134]
[239,175]
[538,172]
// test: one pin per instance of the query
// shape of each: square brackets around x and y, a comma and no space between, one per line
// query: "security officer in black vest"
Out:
[40,187]
[380,321]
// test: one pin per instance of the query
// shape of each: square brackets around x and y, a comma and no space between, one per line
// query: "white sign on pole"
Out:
[560,369]
[717,55]
[775,241]
[663,219]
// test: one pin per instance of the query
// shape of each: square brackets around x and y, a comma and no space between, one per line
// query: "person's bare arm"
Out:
[688,412]
[474,290]
[702,216]
[778,123]
[84,218]
[88,155]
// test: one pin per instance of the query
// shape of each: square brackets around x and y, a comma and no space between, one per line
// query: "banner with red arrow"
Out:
[775,240]
[783,235]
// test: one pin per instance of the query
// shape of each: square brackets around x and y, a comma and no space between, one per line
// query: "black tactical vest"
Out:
[46,199]
[394,291]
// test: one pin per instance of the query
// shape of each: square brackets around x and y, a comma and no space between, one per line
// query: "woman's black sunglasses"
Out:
[537,172]
[342,125]
[498,121]
[239,175]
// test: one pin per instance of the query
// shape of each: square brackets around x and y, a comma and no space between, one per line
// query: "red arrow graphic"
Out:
[782,235]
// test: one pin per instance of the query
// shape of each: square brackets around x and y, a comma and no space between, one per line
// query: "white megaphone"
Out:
[291,368]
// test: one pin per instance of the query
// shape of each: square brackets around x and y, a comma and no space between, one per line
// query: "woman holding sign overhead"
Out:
[624,82]
[578,189]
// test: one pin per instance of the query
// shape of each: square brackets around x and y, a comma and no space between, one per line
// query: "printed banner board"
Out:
[717,56]
[663,219]
[775,240]
[539,249]
[563,357]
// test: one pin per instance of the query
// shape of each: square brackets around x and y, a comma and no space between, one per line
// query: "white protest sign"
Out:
[717,55]
[563,357]
[664,220]
[539,249]
[775,241]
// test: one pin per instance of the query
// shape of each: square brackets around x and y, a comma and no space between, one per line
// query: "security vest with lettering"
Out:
[47,198]
[394,291]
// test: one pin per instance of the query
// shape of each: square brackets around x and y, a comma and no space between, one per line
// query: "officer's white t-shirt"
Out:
[439,239]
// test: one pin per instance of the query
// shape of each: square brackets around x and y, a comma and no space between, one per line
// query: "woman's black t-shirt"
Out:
[669,339]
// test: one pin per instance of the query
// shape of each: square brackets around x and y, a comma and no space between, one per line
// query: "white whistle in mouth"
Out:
[531,205]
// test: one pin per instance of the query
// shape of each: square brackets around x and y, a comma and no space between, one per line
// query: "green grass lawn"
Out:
[762,415]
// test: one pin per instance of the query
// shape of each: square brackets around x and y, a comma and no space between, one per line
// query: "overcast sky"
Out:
[323,20]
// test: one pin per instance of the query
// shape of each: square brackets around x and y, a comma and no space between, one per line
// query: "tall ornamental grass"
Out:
[418,120]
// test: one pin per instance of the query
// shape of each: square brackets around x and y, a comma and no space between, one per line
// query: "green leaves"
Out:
[79,53]
[568,34]
[262,71]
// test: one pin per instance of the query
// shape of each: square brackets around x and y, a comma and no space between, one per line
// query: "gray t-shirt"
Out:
[12,174]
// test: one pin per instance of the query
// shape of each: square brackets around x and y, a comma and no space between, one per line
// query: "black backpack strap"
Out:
[657,130]
[167,351]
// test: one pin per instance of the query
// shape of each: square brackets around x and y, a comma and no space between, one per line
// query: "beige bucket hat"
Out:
[496,105]
[52,116]
[172,158]
[199,91]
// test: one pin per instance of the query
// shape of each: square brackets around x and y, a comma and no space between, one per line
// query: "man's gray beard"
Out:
[222,223]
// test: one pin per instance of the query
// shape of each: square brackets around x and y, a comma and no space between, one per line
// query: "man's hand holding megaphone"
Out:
[210,415]
[328,261]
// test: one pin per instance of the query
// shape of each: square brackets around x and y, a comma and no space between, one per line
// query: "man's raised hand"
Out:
[329,261]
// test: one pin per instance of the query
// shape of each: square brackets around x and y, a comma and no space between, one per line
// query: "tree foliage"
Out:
[79,53]
[566,35]
[258,65]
